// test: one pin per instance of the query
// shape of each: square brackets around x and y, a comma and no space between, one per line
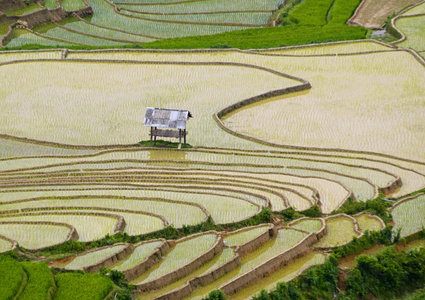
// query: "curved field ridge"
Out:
[183,74]
[229,176]
[341,229]
[34,235]
[90,260]
[367,221]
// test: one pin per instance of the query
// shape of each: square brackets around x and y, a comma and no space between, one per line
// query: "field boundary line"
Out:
[72,234]
[107,261]
[274,263]
[187,268]
[356,228]
[201,12]
[115,29]
[210,276]
[14,243]
[96,36]
[189,22]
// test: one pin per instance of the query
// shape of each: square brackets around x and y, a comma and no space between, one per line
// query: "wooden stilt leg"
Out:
[154,139]
[151,135]
[184,132]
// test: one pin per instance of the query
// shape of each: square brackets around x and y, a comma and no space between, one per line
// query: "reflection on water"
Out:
[167,154]
[286,273]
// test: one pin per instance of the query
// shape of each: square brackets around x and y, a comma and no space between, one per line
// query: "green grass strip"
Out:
[40,280]
[11,276]
[265,38]
[79,286]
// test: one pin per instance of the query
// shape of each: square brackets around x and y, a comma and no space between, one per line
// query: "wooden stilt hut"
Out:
[167,118]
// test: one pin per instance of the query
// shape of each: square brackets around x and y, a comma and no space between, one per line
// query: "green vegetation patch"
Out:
[40,281]
[82,286]
[265,38]
[11,275]
[387,275]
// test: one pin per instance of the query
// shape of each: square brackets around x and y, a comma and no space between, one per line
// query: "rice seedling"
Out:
[368,223]
[11,148]
[253,18]
[9,56]
[331,49]
[397,133]
[139,254]
[22,11]
[413,28]
[206,6]
[90,258]
[308,225]
[22,37]
[340,232]
[72,4]
[34,236]
[285,274]
[188,85]
[50,4]
[89,226]
[219,259]
[178,257]
[409,217]
[90,29]
[420,9]
[78,37]
[285,239]
[5,244]
[244,236]
[175,213]
[104,15]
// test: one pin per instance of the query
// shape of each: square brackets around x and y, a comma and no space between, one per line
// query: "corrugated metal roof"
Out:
[169,118]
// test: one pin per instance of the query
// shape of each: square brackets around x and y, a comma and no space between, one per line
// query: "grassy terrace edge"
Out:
[269,37]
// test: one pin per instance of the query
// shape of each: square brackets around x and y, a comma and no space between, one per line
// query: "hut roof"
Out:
[169,118]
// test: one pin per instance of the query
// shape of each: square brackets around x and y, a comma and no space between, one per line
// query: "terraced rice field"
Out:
[287,273]
[88,259]
[244,236]
[138,22]
[90,172]
[408,216]
[35,235]
[310,225]
[139,254]
[285,239]
[413,27]
[5,244]
[178,257]
[367,222]
[340,231]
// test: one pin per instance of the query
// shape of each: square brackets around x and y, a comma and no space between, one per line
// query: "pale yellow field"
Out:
[369,102]
[119,94]
[336,48]
[11,56]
